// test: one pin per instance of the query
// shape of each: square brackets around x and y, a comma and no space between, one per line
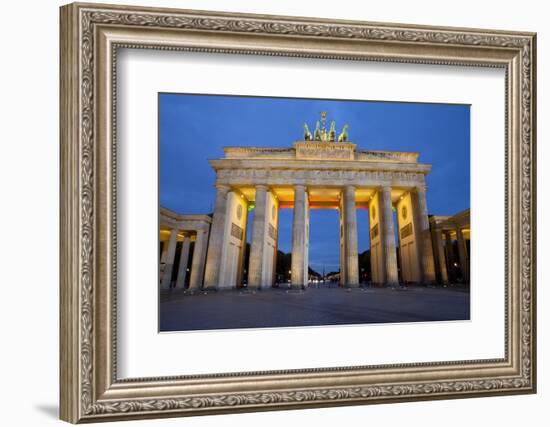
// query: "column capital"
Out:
[203,227]
[262,187]
[223,188]
[385,188]
[421,188]
[349,188]
[300,187]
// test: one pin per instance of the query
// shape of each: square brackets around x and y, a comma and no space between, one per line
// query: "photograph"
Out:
[292,212]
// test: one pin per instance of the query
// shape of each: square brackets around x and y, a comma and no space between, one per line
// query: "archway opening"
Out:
[363,245]
[324,247]
[397,241]
[284,247]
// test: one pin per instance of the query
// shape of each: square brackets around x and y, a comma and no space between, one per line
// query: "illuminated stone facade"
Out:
[322,174]
[317,172]
[451,242]
[186,229]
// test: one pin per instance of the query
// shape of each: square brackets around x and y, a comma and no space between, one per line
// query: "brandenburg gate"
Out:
[324,170]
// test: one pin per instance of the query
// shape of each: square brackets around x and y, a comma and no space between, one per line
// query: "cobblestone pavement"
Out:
[236,309]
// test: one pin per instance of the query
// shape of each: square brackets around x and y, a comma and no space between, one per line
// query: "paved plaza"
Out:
[326,305]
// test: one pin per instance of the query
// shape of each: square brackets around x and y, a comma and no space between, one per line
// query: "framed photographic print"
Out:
[267,212]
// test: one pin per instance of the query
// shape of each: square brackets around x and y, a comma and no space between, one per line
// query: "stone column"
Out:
[164,253]
[241,265]
[276,243]
[341,234]
[255,262]
[439,252]
[197,264]
[450,256]
[169,260]
[388,237]
[463,255]
[423,234]
[184,259]
[298,271]
[350,233]
[216,242]
[306,241]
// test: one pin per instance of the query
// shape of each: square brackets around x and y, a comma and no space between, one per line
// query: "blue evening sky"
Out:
[195,128]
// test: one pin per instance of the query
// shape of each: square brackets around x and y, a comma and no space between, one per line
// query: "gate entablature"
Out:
[318,164]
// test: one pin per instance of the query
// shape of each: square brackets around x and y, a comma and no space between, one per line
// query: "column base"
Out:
[226,288]
[207,291]
[376,284]
[297,287]
[246,291]
[295,291]
[351,285]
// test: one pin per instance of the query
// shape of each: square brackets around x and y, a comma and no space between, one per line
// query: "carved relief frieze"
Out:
[318,177]
[325,150]
[377,156]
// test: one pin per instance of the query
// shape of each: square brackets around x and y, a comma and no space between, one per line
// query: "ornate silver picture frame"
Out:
[91,34]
